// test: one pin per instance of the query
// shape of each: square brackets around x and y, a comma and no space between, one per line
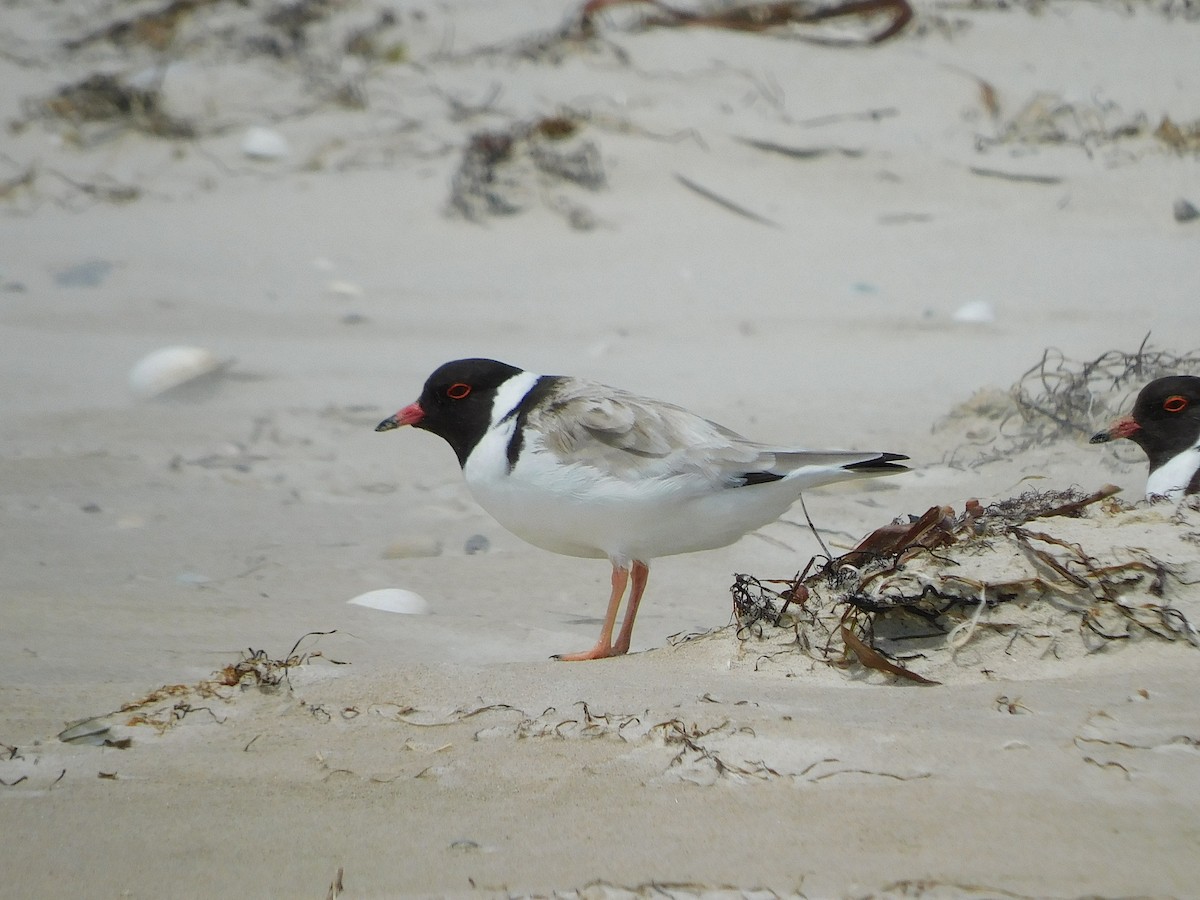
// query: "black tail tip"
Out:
[884,462]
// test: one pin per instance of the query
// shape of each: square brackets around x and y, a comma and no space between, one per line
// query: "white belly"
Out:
[1171,479]
[579,511]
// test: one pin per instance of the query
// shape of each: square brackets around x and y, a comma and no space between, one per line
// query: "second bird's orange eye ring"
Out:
[1175,404]
[458,391]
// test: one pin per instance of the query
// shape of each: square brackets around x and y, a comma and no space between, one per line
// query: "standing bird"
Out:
[1166,424]
[585,470]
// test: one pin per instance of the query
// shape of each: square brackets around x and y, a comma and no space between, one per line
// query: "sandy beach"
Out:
[810,238]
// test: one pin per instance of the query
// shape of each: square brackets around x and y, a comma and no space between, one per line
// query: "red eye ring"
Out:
[458,391]
[1175,404]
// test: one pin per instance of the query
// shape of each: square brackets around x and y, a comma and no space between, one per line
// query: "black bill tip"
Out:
[388,424]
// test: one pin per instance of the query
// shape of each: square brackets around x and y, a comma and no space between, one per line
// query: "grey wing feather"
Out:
[595,425]
[591,424]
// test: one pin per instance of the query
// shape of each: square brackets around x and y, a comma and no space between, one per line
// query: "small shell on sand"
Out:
[171,367]
[394,600]
[976,312]
[343,290]
[264,143]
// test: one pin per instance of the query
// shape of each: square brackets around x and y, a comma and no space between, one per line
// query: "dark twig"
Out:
[723,202]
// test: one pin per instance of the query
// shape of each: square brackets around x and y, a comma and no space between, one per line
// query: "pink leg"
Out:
[641,573]
[604,647]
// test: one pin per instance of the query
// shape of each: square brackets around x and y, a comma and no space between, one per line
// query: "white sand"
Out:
[149,543]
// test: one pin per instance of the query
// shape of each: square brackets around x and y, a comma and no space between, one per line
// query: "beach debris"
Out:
[1057,399]
[90,273]
[872,659]
[93,731]
[264,144]
[476,543]
[772,17]
[1026,177]
[844,23]
[168,369]
[16,185]
[257,669]
[1180,138]
[154,28]
[803,153]
[1049,118]
[394,600]
[504,172]
[336,886]
[698,743]
[975,312]
[367,43]
[1060,397]
[170,704]
[925,588]
[108,99]
[282,27]
[835,23]
[192,43]
[21,779]
[723,202]
[342,289]
[104,188]
[1184,211]
[874,114]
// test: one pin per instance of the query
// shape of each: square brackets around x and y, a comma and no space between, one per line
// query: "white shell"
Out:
[264,143]
[344,289]
[393,600]
[977,312]
[169,368]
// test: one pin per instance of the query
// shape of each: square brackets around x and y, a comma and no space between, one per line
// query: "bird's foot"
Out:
[600,651]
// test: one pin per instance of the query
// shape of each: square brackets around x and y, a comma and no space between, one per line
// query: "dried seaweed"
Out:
[314,37]
[692,750]
[761,17]
[1047,119]
[1059,398]
[873,659]
[337,885]
[923,584]
[723,202]
[503,172]
[102,98]
[1180,138]
[154,28]
[170,704]
[257,669]
[807,20]
[286,26]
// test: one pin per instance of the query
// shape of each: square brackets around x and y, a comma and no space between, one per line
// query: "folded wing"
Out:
[632,438]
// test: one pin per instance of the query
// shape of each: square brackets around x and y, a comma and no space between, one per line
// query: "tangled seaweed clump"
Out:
[167,706]
[1042,573]
[1058,399]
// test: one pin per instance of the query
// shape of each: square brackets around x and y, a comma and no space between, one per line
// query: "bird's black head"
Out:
[456,403]
[1167,416]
